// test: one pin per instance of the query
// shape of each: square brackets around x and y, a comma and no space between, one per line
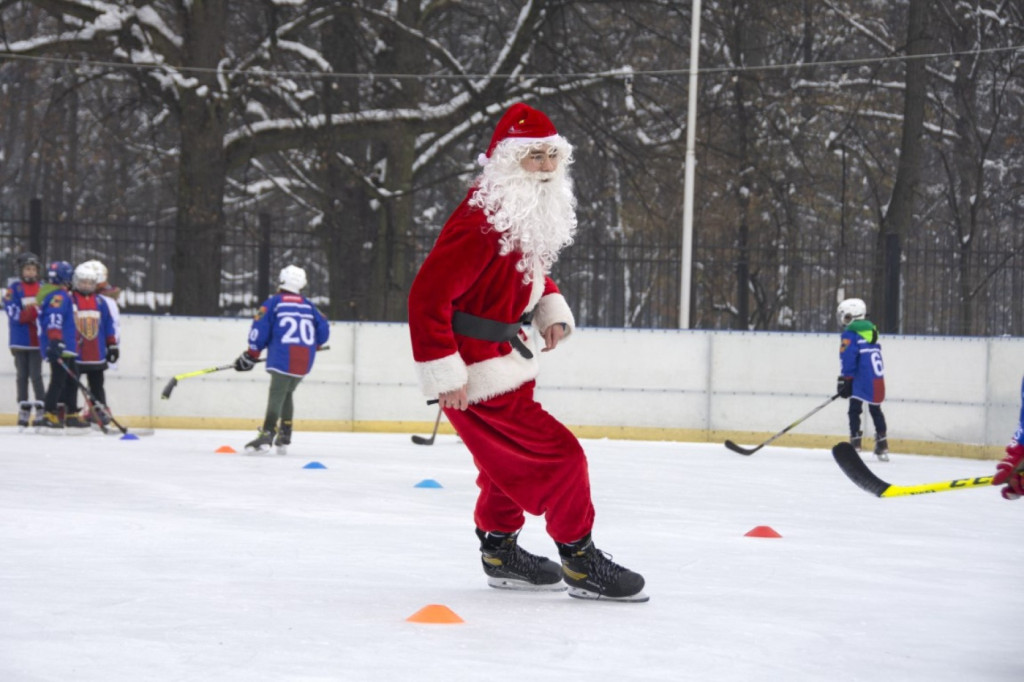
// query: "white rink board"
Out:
[941,389]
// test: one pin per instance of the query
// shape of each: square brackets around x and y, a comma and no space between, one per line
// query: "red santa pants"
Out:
[528,461]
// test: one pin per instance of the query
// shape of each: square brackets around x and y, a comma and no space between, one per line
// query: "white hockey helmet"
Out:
[851,309]
[292,278]
[86,277]
[101,271]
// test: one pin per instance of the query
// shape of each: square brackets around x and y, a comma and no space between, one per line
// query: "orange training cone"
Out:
[226,449]
[435,613]
[762,532]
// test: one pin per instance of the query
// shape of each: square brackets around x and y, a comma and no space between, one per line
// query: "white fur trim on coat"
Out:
[442,375]
[502,374]
[552,309]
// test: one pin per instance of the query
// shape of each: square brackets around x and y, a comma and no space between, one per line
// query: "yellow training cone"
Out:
[435,613]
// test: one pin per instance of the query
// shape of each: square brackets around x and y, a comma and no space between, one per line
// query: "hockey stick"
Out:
[166,393]
[96,408]
[854,467]
[420,440]
[749,451]
[94,414]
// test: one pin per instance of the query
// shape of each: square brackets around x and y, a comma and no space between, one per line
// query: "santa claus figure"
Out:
[479,301]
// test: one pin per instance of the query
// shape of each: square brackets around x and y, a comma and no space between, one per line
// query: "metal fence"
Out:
[609,281]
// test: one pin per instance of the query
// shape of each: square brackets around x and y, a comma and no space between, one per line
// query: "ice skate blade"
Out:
[265,450]
[525,586]
[883,457]
[281,450]
[580,593]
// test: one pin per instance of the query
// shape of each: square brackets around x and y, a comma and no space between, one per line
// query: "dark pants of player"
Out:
[528,462]
[856,408]
[28,364]
[280,404]
[94,375]
[62,389]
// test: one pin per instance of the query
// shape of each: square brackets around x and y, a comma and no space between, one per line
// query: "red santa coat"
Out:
[528,461]
[465,272]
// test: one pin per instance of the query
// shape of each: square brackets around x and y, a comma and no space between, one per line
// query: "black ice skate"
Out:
[39,418]
[74,421]
[24,414]
[510,567]
[261,443]
[51,424]
[881,447]
[855,440]
[591,574]
[284,438]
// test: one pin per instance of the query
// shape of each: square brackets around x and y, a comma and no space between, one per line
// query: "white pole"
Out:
[686,266]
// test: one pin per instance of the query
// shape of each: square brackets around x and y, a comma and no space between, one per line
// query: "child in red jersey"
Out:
[95,335]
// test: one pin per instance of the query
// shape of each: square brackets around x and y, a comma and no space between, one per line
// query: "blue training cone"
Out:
[129,436]
[314,465]
[427,483]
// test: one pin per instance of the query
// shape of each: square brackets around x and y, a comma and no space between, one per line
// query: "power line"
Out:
[624,72]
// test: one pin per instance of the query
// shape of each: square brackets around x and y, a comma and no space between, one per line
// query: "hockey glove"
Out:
[54,350]
[844,386]
[1010,471]
[245,362]
[113,353]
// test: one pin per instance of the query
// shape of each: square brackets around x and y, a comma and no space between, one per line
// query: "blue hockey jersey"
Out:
[290,328]
[57,321]
[20,301]
[860,356]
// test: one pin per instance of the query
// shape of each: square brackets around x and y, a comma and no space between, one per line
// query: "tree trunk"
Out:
[345,205]
[393,247]
[900,213]
[202,168]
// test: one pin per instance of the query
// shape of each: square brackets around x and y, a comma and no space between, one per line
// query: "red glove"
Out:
[1010,471]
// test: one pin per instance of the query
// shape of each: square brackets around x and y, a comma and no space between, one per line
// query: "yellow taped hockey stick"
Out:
[854,467]
[166,393]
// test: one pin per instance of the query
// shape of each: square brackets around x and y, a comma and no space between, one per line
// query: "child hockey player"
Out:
[96,340]
[862,377]
[110,294]
[1010,471]
[21,303]
[291,328]
[57,327]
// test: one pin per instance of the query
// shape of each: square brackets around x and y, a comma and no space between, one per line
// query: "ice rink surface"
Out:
[161,559]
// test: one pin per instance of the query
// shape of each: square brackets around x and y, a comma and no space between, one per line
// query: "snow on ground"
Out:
[160,559]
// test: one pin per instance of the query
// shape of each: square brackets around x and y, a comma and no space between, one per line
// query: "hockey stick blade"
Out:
[740,449]
[166,393]
[857,471]
[420,440]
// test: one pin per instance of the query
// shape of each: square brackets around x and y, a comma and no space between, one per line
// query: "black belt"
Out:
[491,330]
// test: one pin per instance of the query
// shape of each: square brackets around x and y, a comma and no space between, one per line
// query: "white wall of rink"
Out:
[942,393]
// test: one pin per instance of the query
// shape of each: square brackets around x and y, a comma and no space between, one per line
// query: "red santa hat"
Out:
[524,124]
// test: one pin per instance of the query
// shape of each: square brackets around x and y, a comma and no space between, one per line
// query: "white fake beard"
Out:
[534,212]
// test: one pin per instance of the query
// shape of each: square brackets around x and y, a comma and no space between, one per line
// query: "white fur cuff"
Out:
[552,309]
[442,375]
